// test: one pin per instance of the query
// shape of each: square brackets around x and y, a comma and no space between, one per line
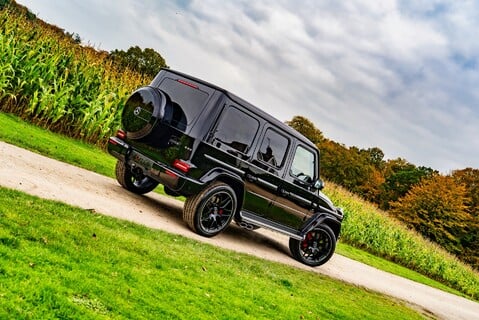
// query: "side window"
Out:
[304,164]
[273,148]
[235,130]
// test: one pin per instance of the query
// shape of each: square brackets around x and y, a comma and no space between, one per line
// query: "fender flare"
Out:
[321,218]
[233,180]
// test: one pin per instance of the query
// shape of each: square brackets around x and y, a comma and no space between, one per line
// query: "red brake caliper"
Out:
[305,242]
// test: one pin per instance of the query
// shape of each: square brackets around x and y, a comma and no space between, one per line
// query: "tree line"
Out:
[443,208]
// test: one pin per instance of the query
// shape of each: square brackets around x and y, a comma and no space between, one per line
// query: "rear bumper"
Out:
[161,172]
[118,148]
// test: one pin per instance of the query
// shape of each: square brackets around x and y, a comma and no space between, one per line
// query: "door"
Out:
[233,143]
[295,198]
[266,172]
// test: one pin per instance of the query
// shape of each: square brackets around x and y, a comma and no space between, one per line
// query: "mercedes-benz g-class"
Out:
[231,160]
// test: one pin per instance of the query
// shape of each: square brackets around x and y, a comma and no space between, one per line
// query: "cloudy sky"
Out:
[398,75]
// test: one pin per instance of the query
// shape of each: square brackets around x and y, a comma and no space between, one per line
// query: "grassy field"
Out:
[373,230]
[62,262]
[56,146]
[89,157]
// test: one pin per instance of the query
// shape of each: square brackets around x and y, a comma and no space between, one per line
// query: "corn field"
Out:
[49,80]
[371,229]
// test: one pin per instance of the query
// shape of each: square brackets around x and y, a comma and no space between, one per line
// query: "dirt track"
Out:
[51,179]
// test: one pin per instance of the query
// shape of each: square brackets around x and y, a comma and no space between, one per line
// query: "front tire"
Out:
[139,184]
[317,247]
[210,211]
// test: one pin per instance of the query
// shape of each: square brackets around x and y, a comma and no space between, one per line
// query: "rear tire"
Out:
[139,184]
[210,211]
[317,247]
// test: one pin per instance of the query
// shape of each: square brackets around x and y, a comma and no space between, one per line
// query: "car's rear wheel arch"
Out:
[236,185]
[232,180]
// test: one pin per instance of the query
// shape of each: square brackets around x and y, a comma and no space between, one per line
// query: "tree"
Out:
[469,177]
[374,156]
[4,3]
[347,167]
[400,176]
[306,128]
[74,36]
[147,62]
[355,169]
[371,188]
[437,208]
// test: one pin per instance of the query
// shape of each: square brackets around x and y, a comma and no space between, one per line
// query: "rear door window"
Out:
[235,131]
[273,148]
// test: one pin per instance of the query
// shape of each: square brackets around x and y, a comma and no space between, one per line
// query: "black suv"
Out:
[230,159]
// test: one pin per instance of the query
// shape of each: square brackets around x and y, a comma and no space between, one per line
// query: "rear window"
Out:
[186,95]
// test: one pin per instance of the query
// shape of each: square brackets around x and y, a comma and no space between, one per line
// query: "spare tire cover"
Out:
[142,111]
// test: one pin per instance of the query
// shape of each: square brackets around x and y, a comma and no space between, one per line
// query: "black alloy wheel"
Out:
[136,183]
[316,248]
[210,212]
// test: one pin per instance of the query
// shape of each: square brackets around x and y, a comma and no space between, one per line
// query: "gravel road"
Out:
[51,179]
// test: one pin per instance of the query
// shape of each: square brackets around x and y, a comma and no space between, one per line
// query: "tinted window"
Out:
[189,99]
[304,164]
[235,130]
[273,148]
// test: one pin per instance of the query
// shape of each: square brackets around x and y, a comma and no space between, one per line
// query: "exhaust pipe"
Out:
[247,226]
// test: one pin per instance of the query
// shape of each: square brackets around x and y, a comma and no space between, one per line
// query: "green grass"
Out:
[23,134]
[391,267]
[57,261]
[56,146]
[18,132]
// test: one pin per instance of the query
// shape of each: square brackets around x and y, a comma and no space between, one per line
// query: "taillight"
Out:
[181,165]
[121,134]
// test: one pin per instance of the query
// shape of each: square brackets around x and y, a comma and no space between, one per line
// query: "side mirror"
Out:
[318,184]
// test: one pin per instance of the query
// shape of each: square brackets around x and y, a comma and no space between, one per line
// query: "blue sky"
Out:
[398,75]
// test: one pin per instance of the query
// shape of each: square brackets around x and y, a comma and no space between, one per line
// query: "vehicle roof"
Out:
[248,105]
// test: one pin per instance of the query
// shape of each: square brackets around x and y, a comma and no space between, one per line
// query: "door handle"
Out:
[283,192]
[251,178]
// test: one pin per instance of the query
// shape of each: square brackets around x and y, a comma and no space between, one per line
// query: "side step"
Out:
[265,223]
